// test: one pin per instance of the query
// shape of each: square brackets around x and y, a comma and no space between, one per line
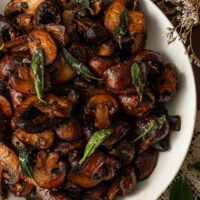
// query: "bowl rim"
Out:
[194,87]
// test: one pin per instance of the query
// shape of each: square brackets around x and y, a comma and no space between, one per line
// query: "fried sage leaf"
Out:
[151,126]
[80,68]
[181,190]
[94,142]
[24,162]
[38,70]
[121,30]
[136,74]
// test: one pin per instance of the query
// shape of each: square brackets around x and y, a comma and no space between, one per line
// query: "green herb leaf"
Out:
[84,3]
[121,30]
[38,70]
[196,166]
[181,190]
[80,68]
[151,126]
[94,142]
[24,162]
[136,75]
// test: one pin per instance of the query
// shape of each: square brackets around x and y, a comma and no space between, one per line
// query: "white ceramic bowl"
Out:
[184,104]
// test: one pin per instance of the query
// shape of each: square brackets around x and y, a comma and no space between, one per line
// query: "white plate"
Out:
[184,104]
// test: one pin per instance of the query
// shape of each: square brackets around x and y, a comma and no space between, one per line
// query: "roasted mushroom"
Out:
[132,105]
[99,65]
[91,32]
[10,163]
[118,78]
[49,172]
[25,22]
[145,163]
[5,107]
[101,106]
[43,40]
[11,60]
[42,140]
[70,130]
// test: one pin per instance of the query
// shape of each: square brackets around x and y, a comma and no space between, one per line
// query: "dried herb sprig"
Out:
[187,17]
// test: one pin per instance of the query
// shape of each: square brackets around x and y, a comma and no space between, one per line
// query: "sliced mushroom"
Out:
[96,7]
[167,84]
[107,49]
[118,133]
[118,78]
[92,32]
[154,136]
[22,80]
[10,163]
[96,169]
[5,107]
[43,40]
[8,30]
[70,130]
[99,65]
[20,6]
[101,106]
[11,60]
[47,13]
[21,189]
[25,22]
[49,172]
[64,148]
[124,152]
[132,105]
[46,194]
[28,118]
[58,33]
[42,140]
[145,163]
[61,71]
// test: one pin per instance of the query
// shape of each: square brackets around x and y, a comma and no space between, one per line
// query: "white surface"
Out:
[184,104]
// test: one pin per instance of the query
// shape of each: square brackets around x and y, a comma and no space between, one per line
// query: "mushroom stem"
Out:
[102,116]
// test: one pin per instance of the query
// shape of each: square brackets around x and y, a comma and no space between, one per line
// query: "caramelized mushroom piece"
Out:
[118,133]
[11,60]
[124,152]
[46,194]
[92,32]
[101,106]
[47,13]
[64,148]
[96,7]
[28,118]
[25,22]
[58,33]
[43,40]
[163,145]
[21,189]
[107,49]
[167,84]
[132,105]
[70,130]
[10,164]
[8,30]
[5,107]
[96,169]
[15,7]
[41,140]
[99,65]
[22,80]
[118,78]
[154,136]
[145,163]
[49,172]
[61,71]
